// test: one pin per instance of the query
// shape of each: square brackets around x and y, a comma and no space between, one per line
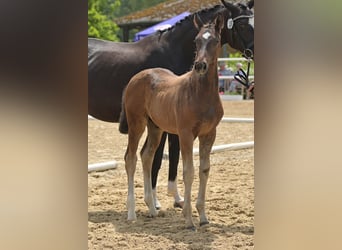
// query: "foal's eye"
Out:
[215,41]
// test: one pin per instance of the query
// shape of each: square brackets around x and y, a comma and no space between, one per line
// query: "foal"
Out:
[188,105]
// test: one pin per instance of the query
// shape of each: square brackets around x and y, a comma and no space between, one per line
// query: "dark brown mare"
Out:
[188,105]
[111,65]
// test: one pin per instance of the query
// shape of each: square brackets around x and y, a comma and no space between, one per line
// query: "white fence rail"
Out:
[231,59]
[233,146]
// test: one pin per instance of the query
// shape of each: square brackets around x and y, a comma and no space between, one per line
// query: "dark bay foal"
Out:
[188,105]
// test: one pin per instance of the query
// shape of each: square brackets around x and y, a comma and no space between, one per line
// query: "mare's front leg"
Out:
[173,168]
[186,141]
[156,164]
[147,153]
[205,144]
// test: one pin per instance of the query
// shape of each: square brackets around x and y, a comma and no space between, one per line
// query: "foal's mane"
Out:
[189,18]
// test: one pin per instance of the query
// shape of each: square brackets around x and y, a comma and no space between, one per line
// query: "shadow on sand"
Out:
[169,224]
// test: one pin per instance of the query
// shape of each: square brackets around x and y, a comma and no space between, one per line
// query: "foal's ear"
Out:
[198,22]
[219,22]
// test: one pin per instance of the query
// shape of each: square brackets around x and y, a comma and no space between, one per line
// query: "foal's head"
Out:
[207,43]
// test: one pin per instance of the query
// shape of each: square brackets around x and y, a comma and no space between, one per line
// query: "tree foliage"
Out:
[129,6]
[100,15]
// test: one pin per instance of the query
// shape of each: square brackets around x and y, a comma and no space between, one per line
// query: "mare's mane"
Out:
[188,18]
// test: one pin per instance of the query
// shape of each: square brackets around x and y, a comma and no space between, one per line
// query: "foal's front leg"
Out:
[205,144]
[186,141]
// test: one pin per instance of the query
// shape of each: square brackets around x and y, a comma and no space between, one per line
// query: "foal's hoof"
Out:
[157,205]
[204,223]
[150,216]
[131,218]
[178,204]
[153,214]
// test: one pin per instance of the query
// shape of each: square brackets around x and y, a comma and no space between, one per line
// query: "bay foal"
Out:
[188,105]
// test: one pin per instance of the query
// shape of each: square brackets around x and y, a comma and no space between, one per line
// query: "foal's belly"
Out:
[165,121]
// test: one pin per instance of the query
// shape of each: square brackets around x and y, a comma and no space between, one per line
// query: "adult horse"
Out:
[111,65]
[193,109]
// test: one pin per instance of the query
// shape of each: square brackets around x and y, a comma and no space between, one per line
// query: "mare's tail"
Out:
[123,125]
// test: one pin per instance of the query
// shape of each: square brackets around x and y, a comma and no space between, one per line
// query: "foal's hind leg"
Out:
[147,154]
[134,134]
[205,144]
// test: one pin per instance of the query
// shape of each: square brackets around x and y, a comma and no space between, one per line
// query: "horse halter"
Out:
[241,76]
[230,25]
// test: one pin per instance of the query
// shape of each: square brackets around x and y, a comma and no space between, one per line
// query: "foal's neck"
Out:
[207,83]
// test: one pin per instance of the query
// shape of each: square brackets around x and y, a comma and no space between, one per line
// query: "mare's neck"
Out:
[180,38]
[180,44]
[186,31]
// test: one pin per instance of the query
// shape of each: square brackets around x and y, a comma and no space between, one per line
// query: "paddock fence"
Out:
[233,146]
[225,147]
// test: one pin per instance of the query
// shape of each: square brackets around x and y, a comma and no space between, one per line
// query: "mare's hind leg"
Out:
[134,134]
[205,144]
[158,156]
[173,168]
[147,154]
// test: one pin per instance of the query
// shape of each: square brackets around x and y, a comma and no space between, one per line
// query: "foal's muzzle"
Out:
[201,67]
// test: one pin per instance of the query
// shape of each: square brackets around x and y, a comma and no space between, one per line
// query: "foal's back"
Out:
[159,93]
[169,100]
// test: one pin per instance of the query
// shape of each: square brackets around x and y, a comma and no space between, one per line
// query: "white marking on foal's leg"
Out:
[148,195]
[131,208]
[173,190]
[155,198]
[130,169]
[131,202]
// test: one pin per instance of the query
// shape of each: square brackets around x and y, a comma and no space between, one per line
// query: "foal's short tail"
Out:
[123,126]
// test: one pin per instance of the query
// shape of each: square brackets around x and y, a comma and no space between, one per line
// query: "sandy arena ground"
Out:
[229,204]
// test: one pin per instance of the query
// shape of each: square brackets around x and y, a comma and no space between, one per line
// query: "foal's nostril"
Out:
[204,66]
[198,66]
[201,67]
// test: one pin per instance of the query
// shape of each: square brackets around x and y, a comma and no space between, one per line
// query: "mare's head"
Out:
[207,43]
[239,28]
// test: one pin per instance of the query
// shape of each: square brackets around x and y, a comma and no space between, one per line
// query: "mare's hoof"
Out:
[178,204]
[204,223]
[191,228]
